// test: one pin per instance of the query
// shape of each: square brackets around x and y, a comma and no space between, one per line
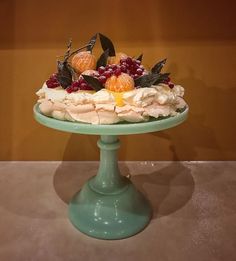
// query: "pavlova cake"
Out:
[111,89]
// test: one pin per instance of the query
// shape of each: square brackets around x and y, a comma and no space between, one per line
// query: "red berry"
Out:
[129,60]
[114,67]
[75,88]
[83,85]
[69,89]
[75,84]
[52,82]
[107,74]
[139,71]
[117,72]
[101,69]
[171,85]
[123,68]
[102,79]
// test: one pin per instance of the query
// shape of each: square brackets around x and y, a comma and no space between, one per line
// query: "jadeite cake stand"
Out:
[108,206]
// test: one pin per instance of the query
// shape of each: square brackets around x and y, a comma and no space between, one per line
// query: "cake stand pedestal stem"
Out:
[108,179]
[109,206]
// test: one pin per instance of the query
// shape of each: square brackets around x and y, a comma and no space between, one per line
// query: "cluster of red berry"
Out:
[132,67]
[52,82]
[80,84]
[169,83]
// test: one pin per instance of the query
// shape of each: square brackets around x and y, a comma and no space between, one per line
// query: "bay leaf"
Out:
[158,66]
[93,82]
[107,44]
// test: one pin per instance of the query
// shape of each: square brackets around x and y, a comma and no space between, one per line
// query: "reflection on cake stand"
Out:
[109,206]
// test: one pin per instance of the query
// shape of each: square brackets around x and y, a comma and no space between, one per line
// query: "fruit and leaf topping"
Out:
[115,71]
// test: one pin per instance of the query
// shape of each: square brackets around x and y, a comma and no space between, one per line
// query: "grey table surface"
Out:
[194,207]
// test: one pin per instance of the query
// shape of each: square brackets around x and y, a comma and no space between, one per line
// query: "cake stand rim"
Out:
[111,129]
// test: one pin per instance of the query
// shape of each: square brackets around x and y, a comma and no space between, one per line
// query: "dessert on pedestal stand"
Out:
[108,206]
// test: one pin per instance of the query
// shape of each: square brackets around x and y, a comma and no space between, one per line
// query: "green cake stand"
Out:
[109,206]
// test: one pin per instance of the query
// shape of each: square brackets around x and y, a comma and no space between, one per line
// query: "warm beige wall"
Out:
[197,38]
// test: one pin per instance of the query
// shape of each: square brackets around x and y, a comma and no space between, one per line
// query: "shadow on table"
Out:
[71,176]
[168,189]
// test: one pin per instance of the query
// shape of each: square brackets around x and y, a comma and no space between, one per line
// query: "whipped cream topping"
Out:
[102,107]
[140,97]
[79,98]
[103,96]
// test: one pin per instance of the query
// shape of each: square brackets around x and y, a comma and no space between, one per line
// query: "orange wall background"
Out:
[197,37]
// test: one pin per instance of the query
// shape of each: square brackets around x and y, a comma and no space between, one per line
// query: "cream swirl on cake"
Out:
[101,108]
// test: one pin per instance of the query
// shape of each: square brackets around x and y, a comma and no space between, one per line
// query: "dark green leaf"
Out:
[157,67]
[107,44]
[146,80]
[102,61]
[93,82]
[140,57]
[64,75]
[161,77]
[91,43]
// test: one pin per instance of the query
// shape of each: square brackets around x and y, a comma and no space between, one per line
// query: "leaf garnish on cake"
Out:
[162,77]
[158,66]
[106,43]
[91,43]
[64,75]
[93,82]
[102,60]
[146,80]
[140,57]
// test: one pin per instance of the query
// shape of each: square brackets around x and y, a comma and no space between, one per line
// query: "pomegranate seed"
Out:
[101,69]
[102,79]
[117,72]
[123,68]
[139,71]
[129,60]
[69,89]
[75,84]
[83,85]
[113,67]
[107,74]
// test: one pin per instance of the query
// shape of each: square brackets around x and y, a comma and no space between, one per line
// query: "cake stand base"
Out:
[109,206]
[110,216]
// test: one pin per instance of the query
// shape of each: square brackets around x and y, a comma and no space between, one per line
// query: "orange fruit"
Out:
[116,59]
[83,61]
[120,83]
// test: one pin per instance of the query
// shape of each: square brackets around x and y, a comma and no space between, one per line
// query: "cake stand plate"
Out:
[109,206]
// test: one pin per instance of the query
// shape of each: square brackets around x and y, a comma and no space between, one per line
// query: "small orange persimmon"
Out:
[120,83]
[83,61]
